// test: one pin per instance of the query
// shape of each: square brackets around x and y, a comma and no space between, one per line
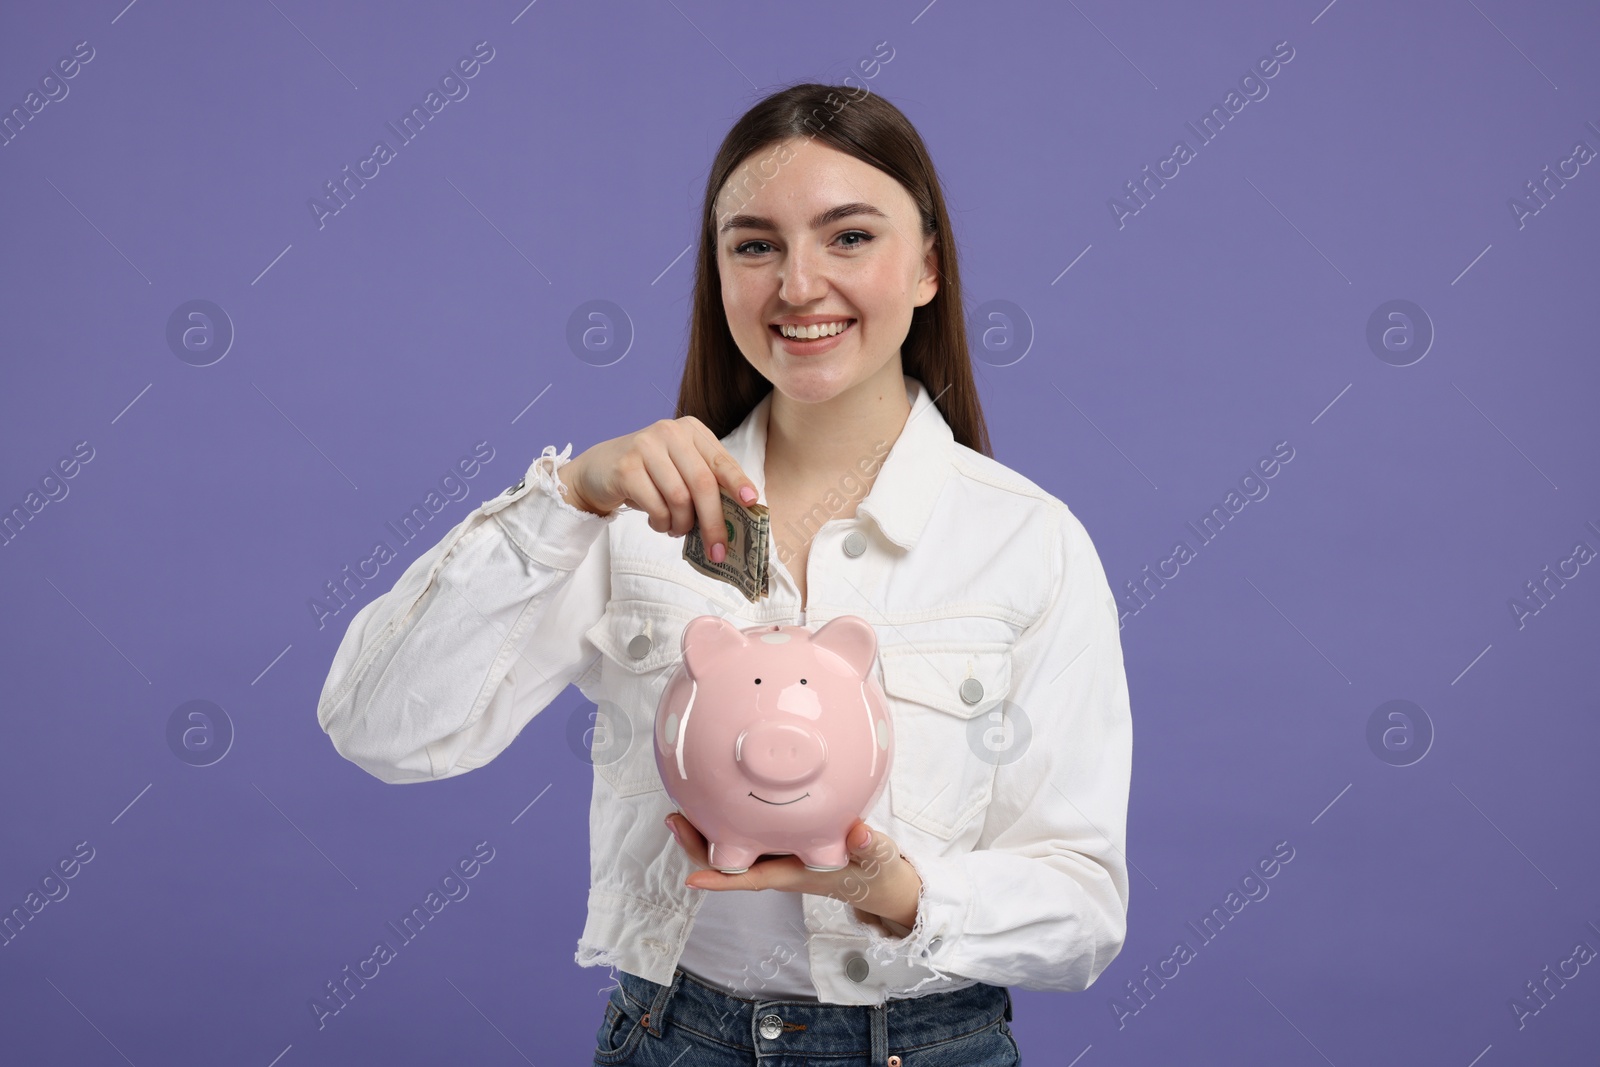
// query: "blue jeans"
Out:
[690,1024]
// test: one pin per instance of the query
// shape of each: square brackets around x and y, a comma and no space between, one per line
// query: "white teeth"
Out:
[807,333]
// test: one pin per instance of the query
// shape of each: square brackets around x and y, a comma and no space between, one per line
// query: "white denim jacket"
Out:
[988,598]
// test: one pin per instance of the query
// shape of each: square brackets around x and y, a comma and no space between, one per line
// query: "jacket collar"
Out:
[908,482]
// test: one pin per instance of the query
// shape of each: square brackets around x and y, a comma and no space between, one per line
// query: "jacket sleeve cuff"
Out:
[942,907]
[543,526]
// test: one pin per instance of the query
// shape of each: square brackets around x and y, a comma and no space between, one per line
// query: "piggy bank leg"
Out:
[731,858]
[827,858]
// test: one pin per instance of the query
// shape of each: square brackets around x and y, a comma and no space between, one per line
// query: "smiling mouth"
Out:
[849,325]
[781,803]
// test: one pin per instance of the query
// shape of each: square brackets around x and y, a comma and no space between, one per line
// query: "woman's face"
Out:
[808,233]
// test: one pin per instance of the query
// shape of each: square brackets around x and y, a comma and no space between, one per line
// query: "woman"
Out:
[828,379]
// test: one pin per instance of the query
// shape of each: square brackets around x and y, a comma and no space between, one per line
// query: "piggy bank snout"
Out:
[781,753]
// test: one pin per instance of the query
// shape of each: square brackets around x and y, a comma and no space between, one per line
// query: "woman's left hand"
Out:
[878,880]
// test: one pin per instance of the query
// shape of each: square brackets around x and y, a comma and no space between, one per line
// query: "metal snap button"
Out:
[972,690]
[856,968]
[640,646]
[520,483]
[894,1061]
[854,543]
[771,1026]
[935,943]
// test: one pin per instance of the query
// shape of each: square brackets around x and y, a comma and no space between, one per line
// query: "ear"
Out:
[706,639]
[851,639]
[928,284]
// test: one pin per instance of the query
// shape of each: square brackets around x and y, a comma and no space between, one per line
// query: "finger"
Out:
[690,840]
[701,481]
[725,468]
[684,839]
[872,850]
[693,838]
[676,512]
[715,879]
[639,493]
[780,872]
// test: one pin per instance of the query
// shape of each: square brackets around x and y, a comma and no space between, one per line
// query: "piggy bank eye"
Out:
[758,681]
[802,681]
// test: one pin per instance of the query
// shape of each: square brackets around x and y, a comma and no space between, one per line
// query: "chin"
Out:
[807,389]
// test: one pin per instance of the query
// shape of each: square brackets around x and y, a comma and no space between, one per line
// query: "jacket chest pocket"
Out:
[941,702]
[642,645]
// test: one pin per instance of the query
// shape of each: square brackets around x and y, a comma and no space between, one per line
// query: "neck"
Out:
[808,443]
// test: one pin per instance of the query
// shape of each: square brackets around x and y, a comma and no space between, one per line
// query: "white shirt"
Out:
[987,596]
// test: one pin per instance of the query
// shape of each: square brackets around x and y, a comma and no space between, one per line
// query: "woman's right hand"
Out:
[672,469]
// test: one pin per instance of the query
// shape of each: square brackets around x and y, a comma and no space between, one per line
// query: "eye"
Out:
[758,681]
[744,249]
[802,681]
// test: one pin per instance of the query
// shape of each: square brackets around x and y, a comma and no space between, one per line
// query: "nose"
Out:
[800,282]
[777,753]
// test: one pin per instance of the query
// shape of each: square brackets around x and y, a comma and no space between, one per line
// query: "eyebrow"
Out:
[821,219]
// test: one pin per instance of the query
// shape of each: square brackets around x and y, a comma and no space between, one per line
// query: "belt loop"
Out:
[656,1017]
[1007,992]
[878,1023]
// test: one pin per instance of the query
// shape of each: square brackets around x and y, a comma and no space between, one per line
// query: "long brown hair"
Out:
[719,386]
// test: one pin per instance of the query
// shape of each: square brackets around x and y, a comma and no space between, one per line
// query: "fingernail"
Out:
[748,495]
[718,553]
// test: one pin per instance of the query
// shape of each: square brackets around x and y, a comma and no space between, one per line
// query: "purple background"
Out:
[1230,313]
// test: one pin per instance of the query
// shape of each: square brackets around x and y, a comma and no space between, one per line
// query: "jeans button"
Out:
[854,544]
[771,1026]
[856,968]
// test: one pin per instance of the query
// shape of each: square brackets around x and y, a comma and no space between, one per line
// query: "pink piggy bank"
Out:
[774,739]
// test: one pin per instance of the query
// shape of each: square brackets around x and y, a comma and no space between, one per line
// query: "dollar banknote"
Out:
[749,533]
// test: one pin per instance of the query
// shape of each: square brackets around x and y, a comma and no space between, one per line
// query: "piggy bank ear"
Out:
[706,639]
[850,638]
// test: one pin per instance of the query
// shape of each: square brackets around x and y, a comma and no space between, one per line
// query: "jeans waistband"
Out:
[802,1026]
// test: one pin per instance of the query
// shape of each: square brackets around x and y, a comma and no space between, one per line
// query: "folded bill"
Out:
[749,532]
